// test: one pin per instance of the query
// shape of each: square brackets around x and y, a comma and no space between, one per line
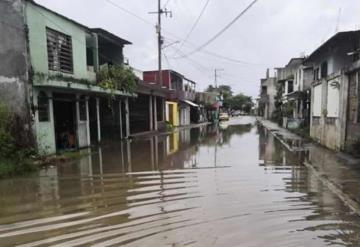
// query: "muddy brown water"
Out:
[208,186]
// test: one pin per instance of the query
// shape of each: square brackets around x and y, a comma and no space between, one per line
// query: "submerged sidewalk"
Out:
[340,172]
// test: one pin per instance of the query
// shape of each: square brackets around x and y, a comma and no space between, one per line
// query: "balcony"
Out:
[181,95]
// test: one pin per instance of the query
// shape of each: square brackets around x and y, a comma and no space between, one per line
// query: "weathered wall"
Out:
[37,20]
[14,67]
[330,130]
[353,124]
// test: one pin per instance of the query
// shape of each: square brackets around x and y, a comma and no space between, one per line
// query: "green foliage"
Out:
[116,77]
[324,112]
[60,77]
[169,126]
[278,114]
[240,102]
[13,160]
[288,109]
[7,142]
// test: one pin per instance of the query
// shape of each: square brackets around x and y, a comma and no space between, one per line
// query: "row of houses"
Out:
[319,91]
[49,69]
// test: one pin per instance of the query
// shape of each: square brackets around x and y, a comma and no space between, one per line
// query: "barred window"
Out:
[59,48]
[43,107]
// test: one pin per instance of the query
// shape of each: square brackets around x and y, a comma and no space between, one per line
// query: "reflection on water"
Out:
[207,186]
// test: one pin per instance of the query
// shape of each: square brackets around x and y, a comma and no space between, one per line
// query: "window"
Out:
[82,109]
[324,70]
[59,48]
[43,107]
[290,86]
[316,74]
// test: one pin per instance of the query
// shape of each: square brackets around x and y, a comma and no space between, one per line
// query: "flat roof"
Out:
[109,35]
[96,30]
[338,36]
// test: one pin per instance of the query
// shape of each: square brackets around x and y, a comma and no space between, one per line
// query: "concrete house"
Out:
[180,98]
[334,99]
[267,96]
[209,106]
[48,79]
[147,110]
[295,80]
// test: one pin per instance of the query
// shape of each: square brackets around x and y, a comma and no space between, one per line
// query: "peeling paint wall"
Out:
[330,130]
[14,66]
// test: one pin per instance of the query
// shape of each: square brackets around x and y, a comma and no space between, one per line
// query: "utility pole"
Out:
[159,12]
[216,76]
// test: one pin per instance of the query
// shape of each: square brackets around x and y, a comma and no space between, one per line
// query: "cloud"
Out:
[271,33]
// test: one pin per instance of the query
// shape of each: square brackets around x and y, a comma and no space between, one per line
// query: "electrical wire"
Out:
[195,24]
[217,35]
[179,38]
[167,2]
[129,12]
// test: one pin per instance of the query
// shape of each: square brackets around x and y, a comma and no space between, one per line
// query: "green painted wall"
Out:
[37,20]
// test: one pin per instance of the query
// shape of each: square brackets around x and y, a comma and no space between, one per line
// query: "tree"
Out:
[241,102]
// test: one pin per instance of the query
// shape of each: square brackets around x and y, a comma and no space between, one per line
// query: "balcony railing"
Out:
[181,95]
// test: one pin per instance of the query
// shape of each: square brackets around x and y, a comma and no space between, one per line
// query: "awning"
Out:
[190,103]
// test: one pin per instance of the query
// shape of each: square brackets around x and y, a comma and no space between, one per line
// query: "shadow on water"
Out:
[209,186]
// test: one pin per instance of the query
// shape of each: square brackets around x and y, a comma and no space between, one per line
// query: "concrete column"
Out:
[77,123]
[120,119]
[151,119]
[164,108]
[127,117]
[98,118]
[155,114]
[88,122]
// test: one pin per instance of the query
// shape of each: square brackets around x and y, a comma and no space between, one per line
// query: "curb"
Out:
[333,187]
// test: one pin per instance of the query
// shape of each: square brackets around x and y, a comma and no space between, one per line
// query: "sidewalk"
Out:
[338,171]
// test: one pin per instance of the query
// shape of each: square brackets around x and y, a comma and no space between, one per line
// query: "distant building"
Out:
[294,81]
[266,102]
[180,98]
[209,103]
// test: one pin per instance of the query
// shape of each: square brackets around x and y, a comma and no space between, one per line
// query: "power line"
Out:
[167,2]
[195,24]
[222,30]
[129,12]
[179,38]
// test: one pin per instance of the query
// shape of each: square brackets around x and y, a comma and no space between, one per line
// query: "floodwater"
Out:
[228,186]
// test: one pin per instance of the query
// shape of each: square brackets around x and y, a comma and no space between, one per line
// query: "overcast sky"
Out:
[267,36]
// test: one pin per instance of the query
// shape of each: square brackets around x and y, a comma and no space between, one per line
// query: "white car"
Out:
[224,116]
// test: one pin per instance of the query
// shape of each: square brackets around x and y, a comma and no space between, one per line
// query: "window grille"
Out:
[59,48]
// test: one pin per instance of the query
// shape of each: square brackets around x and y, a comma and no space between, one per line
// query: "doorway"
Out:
[65,122]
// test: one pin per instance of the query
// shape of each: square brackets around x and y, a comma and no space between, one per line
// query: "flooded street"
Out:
[233,186]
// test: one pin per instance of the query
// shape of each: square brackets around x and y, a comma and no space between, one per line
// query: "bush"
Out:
[13,159]
[116,77]
[7,142]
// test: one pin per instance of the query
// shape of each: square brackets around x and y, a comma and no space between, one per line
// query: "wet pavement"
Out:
[236,185]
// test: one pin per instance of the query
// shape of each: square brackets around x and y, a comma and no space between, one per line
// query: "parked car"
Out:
[236,113]
[224,116]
